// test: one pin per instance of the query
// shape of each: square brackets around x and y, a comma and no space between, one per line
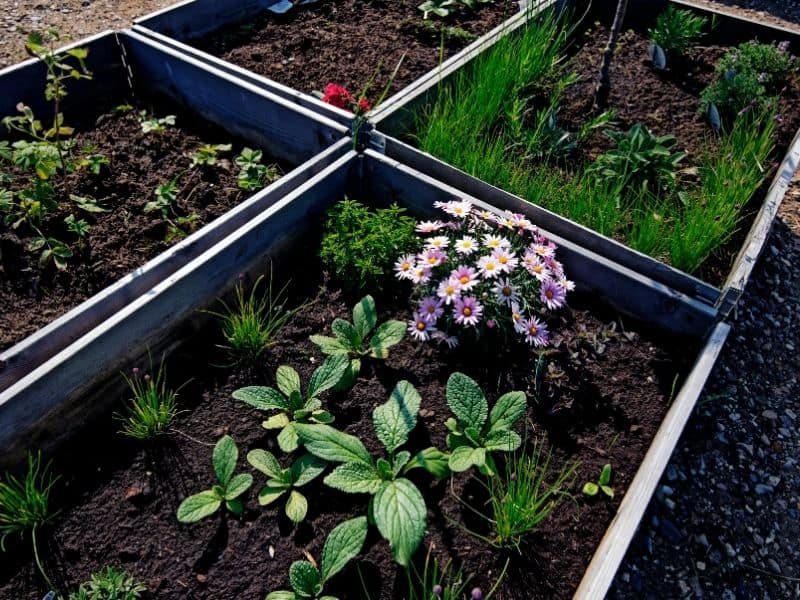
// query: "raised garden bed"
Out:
[131,242]
[623,398]
[668,103]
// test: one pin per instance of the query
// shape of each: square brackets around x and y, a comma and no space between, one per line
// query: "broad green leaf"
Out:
[79,53]
[281,595]
[287,438]
[508,410]
[278,421]
[432,460]
[386,336]
[304,578]
[295,401]
[265,462]
[328,374]
[400,461]
[466,400]
[296,506]
[332,445]
[224,459]
[354,478]
[400,515]
[396,419]
[346,334]
[365,316]
[235,506]
[464,457]
[288,380]
[605,475]
[350,374]
[262,398]
[505,441]
[322,416]
[329,345]
[384,469]
[238,485]
[343,544]
[198,506]
[306,468]
[270,492]
[607,491]
[590,489]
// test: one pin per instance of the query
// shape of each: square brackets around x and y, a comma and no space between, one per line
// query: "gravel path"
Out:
[724,522]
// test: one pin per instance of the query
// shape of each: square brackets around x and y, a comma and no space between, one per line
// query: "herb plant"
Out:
[226,491]
[475,432]
[591,488]
[353,339]
[396,506]
[676,30]
[292,405]
[343,543]
[153,407]
[359,245]
[284,481]
[109,584]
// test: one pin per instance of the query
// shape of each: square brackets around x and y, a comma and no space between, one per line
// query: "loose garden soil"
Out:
[125,237]
[605,389]
[350,42]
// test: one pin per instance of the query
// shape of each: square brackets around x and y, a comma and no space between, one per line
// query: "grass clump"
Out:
[153,407]
[676,30]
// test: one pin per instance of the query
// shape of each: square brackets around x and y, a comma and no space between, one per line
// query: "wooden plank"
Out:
[609,554]
[627,291]
[30,409]
[556,224]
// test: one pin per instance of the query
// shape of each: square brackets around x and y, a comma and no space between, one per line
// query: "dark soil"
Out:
[350,42]
[125,237]
[606,389]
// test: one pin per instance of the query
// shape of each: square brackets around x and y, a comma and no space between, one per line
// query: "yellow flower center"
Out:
[450,290]
[467,311]
[464,279]
[532,330]
[503,260]
[421,326]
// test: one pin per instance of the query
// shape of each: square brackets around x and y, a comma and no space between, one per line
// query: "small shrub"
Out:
[359,245]
[153,407]
[676,30]
[109,584]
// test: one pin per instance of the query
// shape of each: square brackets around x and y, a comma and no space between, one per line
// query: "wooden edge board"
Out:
[35,349]
[723,11]
[608,556]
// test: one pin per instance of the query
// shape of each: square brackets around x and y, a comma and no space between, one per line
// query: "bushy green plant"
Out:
[676,30]
[153,407]
[342,545]
[391,494]
[109,584]
[282,481]
[292,405]
[360,245]
[225,492]
[591,488]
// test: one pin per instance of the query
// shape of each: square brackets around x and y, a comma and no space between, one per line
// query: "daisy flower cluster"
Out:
[477,270]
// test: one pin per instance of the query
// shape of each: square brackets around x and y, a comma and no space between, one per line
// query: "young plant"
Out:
[77,226]
[343,543]
[282,481]
[227,490]
[359,245]
[591,488]
[25,506]
[435,582]
[165,196]
[252,174]
[676,30]
[153,124]
[207,154]
[180,227]
[109,584]
[88,204]
[153,407]
[93,162]
[391,494]
[475,432]
[295,408]
[52,250]
[353,339]
[440,8]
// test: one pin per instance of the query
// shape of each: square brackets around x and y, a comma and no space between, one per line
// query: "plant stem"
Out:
[499,580]
[604,79]
[38,561]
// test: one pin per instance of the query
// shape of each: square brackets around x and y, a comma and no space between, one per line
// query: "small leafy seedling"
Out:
[153,407]
[359,473]
[591,489]
[153,124]
[226,491]
[110,584]
[353,339]
[252,174]
[342,545]
[207,154]
[288,399]
[52,250]
[88,204]
[282,481]
[165,196]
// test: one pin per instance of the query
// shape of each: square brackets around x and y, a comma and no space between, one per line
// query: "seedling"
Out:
[165,197]
[252,174]
[77,226]
[153,124]
[52,250]
[392,495]
[109,584]
[207,154]
[93,162]
[440,8]
[592,489]
[153,407]
[342,545]
[472,436]
[294,407]
[435,582]
[282,481]
[180,227]
[226,491]
[88,204]
[352,339]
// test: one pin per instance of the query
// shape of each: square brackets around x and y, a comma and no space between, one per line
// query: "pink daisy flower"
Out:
[553,295]
[440,242]
[420,329]
[495,241]
[466,245]
[466,277]
[535,331]
[556,268]
[432,257]
[429,226]
[420,274]
[449,291]
[505,293]
[450,341]
[536,267]
[457,209]
[430,309]
[488,267]
[568,285]
[544,250]
[506,259]
[405,266]
[517,319]
[468,311]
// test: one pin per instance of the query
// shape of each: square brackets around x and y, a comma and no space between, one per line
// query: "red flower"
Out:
[363,106]
[337,95]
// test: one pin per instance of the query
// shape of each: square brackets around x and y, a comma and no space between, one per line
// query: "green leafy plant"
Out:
[440,8]
[475,432]
[343,543]
[207,154]
[253,175]
[153,124]
[359,245]
[109,584]
[77,226]
[25,506]
[285,481]
[51,250]
[88,204]
[153,407]
[33,203]
[227,490]
[591,488]
[396,506]
[353,339]
[165,196]
[93,162]
[292,405]
[180,227]
[676,30]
